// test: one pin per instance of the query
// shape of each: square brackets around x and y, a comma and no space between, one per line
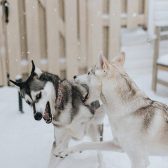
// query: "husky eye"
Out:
[38,96]
[28,102]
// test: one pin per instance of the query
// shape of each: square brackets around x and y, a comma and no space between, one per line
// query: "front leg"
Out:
[62,140]
[138,159]
[53,161]
[101,146]
[62,145]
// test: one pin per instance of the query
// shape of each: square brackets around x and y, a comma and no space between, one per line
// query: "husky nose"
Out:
[38,116]
[75,77]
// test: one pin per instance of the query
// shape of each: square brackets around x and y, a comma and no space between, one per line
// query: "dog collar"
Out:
[87,94]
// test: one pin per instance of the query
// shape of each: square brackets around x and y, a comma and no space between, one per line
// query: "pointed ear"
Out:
[15,83]
[33,67]
[120,60]
[103,62]
[35,70]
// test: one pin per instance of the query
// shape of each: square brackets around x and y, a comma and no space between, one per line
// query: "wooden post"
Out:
[52,17]
[155,57]
[3,70]
[71,40]
[13,40]
[20,101]
[94,31]
[43,35]
[124,6]
[23,35]
[114,28]
[32,22]
[151,19]
[146,6]
[132,12]
[1,74]
[82,34]
[1,48]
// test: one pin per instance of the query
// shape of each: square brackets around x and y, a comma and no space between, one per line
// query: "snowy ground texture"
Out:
[26,143]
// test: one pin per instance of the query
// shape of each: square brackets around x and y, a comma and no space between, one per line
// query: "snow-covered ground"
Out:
[26,143]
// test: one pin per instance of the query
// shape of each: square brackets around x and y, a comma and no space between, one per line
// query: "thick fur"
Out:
[71,118]
[139,124]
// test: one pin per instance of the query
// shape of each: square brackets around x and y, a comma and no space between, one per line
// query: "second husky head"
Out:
[39,93]
[100,73]
[91,80]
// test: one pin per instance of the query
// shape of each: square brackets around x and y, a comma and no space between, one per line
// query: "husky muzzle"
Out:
[37,115]
[46,116]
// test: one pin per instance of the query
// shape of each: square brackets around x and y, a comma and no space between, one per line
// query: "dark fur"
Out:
[71,93]
[128,92]
[148,111]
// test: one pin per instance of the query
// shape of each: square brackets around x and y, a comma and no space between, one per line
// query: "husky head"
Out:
[102,72]
[105,69]
[38,93]
[90,79]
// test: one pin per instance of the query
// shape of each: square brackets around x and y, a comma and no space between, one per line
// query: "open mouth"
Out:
[47,116]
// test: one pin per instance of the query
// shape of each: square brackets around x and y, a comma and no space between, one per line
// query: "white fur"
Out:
[125,126]
[83,124]
[48,94]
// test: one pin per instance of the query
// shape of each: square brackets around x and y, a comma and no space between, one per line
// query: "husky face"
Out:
[111,70]
[115,81]
[38,94]
[41,96]
[103,72]
[91,80]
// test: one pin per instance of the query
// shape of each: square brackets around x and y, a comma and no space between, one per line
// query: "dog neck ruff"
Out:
[85,98]
[60,96]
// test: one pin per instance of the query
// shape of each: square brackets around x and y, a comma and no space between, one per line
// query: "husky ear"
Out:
[36,70]
[16,83]
[103,62]
[120,60]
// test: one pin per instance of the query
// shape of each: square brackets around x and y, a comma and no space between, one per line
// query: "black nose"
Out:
[38,116]
[75,77]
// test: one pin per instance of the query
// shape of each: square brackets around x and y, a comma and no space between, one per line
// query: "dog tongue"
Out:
[46,115]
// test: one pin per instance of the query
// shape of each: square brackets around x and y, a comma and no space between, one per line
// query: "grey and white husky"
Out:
[62,103]
[139,124]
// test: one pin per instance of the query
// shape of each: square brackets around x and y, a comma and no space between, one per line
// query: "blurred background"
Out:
[65,37]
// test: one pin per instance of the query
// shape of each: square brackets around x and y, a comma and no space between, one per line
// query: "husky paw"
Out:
[65,153]
[57,152]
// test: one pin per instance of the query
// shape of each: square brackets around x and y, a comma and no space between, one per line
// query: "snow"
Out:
[163,60]
[157,15]
[26,143]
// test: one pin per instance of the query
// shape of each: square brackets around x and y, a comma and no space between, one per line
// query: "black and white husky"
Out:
[62,103]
